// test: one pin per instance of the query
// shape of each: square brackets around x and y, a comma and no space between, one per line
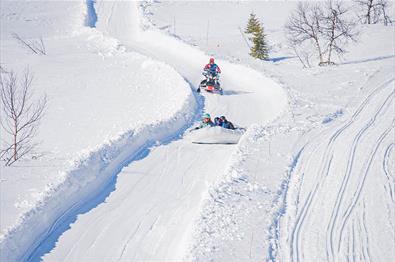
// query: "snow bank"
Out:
[94,173]
[86,180]
[134,103]
[34,19]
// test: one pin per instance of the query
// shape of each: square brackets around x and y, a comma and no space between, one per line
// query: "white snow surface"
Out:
[163,227]
[311,185]
[156,110]
[105,106]
[215,135]
[312,178]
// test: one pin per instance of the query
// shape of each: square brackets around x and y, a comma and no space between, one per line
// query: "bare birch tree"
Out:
[337,29]
[20,115]
[304,25]
[374,11]
[324,28]
[383,6]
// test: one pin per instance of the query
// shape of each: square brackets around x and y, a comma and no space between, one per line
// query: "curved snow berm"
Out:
[91,180]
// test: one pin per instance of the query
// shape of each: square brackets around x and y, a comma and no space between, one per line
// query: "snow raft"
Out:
[215,135]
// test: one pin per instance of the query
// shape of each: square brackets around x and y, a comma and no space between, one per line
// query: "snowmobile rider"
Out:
[206,122]
[212,67]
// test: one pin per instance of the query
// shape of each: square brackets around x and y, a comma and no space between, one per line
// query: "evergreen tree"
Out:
[253,24]
[255,29]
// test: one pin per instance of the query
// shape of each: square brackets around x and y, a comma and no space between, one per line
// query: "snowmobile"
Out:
[216,135]
[211,83]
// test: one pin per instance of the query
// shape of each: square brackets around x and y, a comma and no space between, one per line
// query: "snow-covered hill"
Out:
[118,178]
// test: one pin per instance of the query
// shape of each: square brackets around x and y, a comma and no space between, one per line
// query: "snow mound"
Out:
[215,135]
[93,175]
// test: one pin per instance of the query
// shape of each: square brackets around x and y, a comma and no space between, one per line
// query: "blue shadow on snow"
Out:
[62,224]
[278,59]
[368,60]
[233,92]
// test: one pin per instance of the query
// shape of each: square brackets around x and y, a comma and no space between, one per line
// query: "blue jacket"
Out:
[212,68]
[227,125]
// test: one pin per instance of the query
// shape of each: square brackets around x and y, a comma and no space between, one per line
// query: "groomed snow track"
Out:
[146,210]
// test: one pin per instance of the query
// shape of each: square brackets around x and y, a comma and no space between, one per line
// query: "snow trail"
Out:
[150,215]
[137,197]
[347,172]
[387,170]
[93,177]
[161,194]
[162,190]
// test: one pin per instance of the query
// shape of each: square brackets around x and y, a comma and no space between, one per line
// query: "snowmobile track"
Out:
[346,178]
[327,158]
[357,194]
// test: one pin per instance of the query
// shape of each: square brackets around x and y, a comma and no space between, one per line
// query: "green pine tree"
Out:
[259,49]
[255,30]
[252,25]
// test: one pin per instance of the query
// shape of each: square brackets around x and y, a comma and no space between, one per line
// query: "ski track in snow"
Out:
[386,168]
[339,219]
[350,162]
[275,228]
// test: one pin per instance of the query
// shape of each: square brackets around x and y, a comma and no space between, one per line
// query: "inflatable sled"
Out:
[215,135]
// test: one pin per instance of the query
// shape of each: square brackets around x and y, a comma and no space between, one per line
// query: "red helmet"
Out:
[211,60]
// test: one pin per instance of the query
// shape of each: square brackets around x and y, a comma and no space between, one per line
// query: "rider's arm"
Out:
[198,127]
[218,70]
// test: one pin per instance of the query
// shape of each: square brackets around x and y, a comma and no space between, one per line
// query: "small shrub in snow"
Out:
[20,116]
